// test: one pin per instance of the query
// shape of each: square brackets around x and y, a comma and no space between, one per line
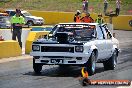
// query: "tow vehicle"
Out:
[4,22]
[81,44]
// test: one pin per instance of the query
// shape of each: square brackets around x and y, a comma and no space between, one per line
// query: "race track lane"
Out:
[19,73]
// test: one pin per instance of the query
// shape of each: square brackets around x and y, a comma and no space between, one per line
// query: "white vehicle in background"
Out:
[29,19]
[81,44]
[4,22]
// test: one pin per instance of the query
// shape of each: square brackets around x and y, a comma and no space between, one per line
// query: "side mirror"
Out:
[93,36]
[113,34]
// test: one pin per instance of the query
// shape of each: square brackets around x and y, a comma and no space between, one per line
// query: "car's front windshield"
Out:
[26,14]
[79,32]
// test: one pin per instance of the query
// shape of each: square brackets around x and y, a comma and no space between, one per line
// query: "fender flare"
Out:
[115,48]
[92,48]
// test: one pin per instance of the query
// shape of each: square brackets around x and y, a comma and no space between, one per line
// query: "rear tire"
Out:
[37,67]
[111,63]
[91,64]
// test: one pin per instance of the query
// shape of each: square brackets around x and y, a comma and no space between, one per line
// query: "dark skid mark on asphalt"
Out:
[126,50]
[70,71]
[126,59]
[123,56]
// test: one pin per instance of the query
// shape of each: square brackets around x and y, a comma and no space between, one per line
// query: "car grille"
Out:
[57,57]
[57,49]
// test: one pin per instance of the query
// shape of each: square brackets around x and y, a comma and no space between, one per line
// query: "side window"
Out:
[0,19]
[12,13]
[109,36]
[106,33]
[99,33]
[22,15]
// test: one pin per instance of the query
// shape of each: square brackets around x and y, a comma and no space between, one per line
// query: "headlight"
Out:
[79,48]
[36,48]
[39,19]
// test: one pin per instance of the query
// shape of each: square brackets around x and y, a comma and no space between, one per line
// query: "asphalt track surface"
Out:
[19,73]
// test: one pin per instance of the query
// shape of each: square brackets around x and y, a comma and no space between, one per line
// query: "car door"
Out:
[100,43]
[108,41]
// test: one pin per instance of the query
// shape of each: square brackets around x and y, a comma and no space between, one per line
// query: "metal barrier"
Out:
[6,35]
[9,48]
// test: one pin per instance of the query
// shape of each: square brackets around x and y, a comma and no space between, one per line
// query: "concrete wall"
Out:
[57,17]
[120,22]
[6,34]
[9,48]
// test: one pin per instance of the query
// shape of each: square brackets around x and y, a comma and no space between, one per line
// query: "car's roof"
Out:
[23,11]
[80,23]
[10,10]
[15,10]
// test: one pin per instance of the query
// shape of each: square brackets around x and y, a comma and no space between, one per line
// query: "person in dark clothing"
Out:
[118,2]
[17,22]
[105,6]
[85,6]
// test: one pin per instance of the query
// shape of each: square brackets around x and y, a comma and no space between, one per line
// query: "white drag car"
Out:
[81,44]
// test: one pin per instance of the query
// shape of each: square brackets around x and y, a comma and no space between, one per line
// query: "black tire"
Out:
[30,23]
[91,64]
[37,67]
[111,63]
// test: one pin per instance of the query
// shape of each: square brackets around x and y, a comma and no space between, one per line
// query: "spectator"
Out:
[105,6]
[77,17]
[85,6]
[17,22]
[87,19]
[118,5]
[99,19]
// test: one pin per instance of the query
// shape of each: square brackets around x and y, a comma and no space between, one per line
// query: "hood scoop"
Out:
[62,38]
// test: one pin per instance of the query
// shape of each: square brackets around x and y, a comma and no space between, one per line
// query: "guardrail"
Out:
[57,17]
[122,22]
[7,35]
[9,48]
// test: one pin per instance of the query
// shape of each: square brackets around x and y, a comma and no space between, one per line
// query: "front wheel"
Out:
[91,64]
[30,23]
[111,63]
[37,67]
